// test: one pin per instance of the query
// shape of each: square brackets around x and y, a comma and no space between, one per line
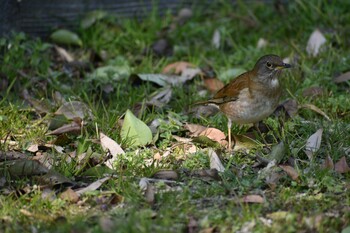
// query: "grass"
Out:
[318,201]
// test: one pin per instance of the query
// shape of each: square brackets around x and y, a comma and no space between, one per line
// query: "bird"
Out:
[253,95]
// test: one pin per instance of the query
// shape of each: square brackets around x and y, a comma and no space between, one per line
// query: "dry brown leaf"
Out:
[214,134]
[195,129]
[213,84]
[253,199]
[342,78]
[70,196]
[148,189]
[313,143]
[166,175]
[341,166]
[11,155]
[177,67]
[211,133]
[315,109]
[315,42]
[328,163]
[75,109]
[207,174]
[215,162]
[291,107]
[182,139]
[313,92]
[290,171]
[33,148]
[40,106]
[64,54]
[73,128]
[113,147]
[93,186]
[24,167]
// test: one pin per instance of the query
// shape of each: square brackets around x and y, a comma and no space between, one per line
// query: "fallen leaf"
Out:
[346,230]
[24,168]
[341,166]
[315,42]
[75,109]
[262,43]
[290,106]
[73,128]
[11,155]
[135,130]
[177,67]
[161,97]
[213,84]
[69,195]
[93,186]
[243,142]
[313,143]
[113,147]
[253,199]
[278,152]
[55,179]
[186,75]
[215,41]
[166,175]
[110,73]
[207,174]
[63,36]
[33,148]
[40,106]
[342,78]
[247,227]
[315,109]
[290,171]
[215,162]
[148,189]
[313,92]
[328,163]
[195,129]
[214,134]
[64,54]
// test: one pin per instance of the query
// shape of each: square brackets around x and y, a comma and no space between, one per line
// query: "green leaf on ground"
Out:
[135,130]
[63,36]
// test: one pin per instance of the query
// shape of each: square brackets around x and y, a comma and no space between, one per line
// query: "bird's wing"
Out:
[231,91]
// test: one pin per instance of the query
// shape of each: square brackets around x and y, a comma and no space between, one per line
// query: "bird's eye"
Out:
[269,65]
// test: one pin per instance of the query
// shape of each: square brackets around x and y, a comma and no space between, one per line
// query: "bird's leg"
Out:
[229,125]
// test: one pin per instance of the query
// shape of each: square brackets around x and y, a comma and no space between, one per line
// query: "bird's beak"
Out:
[283,66]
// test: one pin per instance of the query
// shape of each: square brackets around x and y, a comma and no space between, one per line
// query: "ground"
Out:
[97,103]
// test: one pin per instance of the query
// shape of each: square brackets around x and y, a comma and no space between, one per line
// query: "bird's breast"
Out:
[251,106]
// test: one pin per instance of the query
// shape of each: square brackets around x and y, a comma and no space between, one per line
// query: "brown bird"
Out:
[252,96]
